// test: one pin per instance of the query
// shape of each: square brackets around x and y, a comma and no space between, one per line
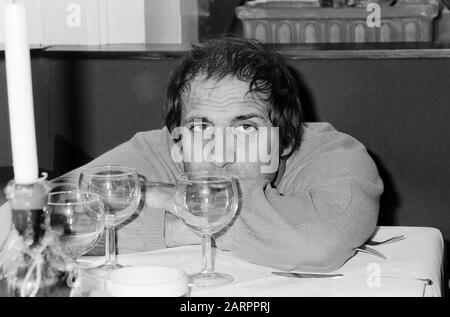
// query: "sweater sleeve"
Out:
[327,206]
[144,231]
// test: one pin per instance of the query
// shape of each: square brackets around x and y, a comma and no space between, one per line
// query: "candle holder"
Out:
[32,261]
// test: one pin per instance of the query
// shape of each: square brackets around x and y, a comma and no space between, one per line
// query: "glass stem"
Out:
[110,246]
[207,266]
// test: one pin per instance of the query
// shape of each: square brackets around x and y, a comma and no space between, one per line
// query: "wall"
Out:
[97,104]
[172,21]
[35,20]
[93,22]
[96,22]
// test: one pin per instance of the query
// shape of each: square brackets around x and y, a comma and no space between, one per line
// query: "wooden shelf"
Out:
[290,51]
[119,51]
[363,50]
[35,50]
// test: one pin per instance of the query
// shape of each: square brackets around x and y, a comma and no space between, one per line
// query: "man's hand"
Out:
[160,195]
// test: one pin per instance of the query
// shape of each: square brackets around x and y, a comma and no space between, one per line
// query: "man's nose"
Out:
[223,157]
[223,152]
[220,164]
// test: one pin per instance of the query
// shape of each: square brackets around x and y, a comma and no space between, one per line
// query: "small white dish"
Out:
[147,281]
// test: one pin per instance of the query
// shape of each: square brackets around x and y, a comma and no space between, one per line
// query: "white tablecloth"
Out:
[410,263]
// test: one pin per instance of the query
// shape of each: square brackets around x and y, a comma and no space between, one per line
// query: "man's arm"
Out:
[329,206]
[152,226]
[176,233]
[308,230]
[158,197]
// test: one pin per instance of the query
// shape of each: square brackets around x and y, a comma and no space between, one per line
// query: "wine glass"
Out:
[77,218]
[206,202]
[120,191]
[63,183]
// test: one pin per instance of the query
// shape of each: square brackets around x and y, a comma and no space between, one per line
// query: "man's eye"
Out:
[200,128]
[245,128]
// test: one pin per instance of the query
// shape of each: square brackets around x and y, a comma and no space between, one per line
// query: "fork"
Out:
[308,275]
[368,250]
[364,248]
[387,241]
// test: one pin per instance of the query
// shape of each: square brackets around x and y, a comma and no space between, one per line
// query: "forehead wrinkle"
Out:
[212,96]
[202,87]
[228,100]
[224,117]
[218,94]
[241,107]
[226,96]
[228,109]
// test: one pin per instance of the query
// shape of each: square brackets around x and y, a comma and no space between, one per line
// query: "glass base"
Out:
[209,279]
[104,269]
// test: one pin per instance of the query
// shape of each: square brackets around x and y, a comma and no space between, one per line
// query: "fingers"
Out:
[160,196]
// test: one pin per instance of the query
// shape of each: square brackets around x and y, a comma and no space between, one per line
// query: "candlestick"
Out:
[20,95]
[33,261]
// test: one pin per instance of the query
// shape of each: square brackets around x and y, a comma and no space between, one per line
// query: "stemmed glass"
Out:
[63,183]
[78,218]
[206,202]
[120,191]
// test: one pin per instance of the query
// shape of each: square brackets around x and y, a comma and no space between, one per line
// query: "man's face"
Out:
[228,121]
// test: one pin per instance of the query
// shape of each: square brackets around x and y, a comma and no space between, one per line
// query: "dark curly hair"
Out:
[249,61]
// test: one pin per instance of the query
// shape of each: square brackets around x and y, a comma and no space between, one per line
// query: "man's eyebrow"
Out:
[194,119]
[249,116]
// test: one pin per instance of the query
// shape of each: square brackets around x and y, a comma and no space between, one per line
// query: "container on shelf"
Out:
[300,22]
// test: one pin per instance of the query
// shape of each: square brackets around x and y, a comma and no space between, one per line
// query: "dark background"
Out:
[86,104]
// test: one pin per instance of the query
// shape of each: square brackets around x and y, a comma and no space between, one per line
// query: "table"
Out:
[413,268]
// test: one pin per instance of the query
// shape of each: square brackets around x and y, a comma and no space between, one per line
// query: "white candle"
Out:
[20,95]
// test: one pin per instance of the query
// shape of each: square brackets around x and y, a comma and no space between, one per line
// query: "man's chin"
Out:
[238,172]
[228,171]
[239,175]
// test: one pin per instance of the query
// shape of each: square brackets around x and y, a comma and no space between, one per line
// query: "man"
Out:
[310,212]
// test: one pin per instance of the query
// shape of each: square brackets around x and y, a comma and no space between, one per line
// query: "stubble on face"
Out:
[223,104]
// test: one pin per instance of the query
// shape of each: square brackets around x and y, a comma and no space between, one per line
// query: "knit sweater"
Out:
[325,205]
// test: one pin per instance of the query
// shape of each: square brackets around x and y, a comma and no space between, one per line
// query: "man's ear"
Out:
[286,151]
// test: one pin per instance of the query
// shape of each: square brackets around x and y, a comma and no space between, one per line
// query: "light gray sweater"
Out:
[325,206]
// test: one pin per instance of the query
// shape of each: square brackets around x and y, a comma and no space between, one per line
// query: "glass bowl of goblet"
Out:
[64,183]
[120,191]
[77,218]
[206,202]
